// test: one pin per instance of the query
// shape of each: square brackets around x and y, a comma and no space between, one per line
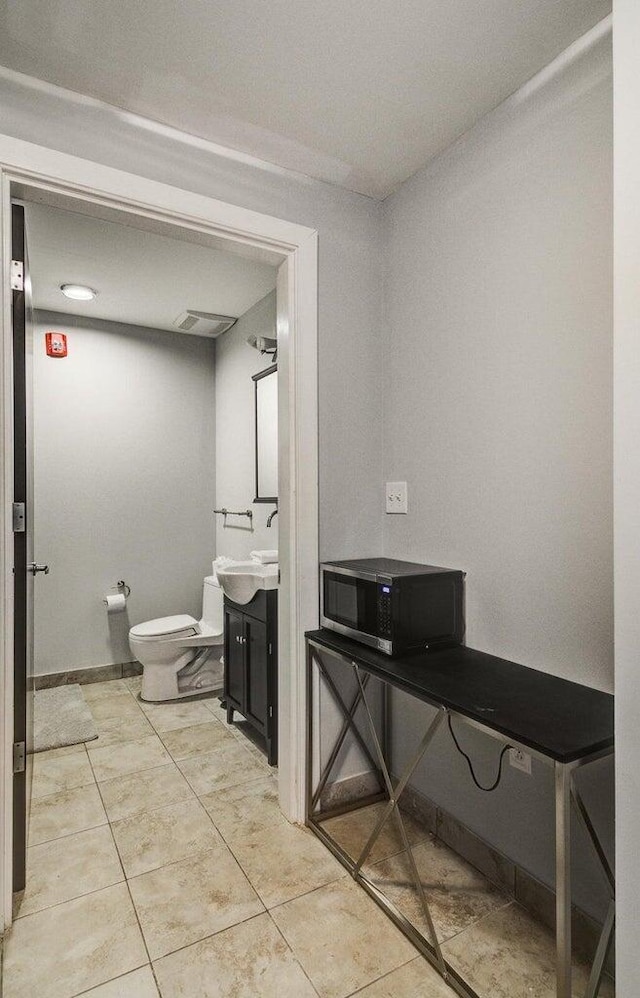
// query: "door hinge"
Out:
[19,757]
[270,648]
[19,517]
[17,275]
[270,710]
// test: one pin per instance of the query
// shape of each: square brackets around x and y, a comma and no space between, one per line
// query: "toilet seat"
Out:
[180,625]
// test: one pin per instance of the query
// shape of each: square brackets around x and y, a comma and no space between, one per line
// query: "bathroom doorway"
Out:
[290,785]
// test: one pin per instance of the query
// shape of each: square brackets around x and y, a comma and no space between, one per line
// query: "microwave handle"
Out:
[367,576]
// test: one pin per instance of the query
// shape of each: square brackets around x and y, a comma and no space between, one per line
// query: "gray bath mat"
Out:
[61,717]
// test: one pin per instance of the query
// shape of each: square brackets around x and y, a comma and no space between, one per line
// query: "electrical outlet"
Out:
[396,497]
[520,760]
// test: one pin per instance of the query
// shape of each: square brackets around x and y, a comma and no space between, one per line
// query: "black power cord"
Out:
[493,786]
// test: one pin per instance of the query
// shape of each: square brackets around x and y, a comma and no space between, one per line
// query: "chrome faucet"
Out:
[271,516]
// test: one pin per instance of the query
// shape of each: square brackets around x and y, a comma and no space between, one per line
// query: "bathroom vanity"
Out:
[251,664]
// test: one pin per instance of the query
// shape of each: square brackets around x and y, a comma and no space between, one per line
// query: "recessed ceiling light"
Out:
[78,292]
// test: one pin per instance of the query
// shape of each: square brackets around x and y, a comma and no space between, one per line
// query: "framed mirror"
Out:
[266,439]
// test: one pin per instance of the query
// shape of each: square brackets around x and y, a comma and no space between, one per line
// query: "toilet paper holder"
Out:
[121,587]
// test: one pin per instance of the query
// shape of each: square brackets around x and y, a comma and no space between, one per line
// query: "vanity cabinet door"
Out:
[234,661]
[257,672]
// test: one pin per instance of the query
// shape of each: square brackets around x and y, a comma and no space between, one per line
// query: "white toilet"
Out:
[181,656]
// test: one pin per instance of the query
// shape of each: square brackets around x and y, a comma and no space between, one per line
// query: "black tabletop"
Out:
[563,720]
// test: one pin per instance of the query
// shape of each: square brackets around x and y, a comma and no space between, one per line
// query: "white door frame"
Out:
[297,296]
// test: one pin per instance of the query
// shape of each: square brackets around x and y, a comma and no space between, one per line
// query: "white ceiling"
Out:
[361,93]
[141,277]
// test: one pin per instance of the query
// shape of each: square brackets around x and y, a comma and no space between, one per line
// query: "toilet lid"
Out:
[166,625]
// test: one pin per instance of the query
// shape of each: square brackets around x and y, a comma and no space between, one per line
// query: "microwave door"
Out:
[350,604]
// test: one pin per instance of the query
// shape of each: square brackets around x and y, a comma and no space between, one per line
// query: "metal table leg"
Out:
[392,808]
[606,936]
[348,714]
[597,968]
[563,880]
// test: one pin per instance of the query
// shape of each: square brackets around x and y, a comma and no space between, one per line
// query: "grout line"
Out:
[211,935]
[81,994]
[175,862]
[66,835]
[418,956]
[137,772]
[60,904]
[312,890]
[124,874]
[157,807]
[292,951]
[480,918]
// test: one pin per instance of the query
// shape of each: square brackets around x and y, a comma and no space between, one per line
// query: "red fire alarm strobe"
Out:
[56,344]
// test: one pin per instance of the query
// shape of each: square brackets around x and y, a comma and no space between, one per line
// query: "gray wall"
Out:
[350,271]
[498,410]
[627,489]
[124,483]
[235,434]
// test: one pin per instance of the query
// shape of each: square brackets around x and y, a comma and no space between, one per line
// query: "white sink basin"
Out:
[240,582]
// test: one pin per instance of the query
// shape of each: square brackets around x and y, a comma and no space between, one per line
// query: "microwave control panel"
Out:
[384,610]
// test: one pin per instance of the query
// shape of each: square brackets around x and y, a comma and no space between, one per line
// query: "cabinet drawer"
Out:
[258,607]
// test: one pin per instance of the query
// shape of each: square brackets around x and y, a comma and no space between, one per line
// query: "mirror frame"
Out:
[256,378]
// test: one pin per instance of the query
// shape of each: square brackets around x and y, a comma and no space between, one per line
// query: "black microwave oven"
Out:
[397,607]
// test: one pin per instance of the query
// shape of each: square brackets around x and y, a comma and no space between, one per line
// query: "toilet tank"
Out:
[212,603]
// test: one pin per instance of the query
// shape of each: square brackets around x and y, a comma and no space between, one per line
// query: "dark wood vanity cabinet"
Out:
[251,665]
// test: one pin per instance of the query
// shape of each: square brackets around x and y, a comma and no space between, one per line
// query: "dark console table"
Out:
[563,724]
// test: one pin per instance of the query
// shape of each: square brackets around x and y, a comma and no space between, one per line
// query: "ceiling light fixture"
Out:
[78,292]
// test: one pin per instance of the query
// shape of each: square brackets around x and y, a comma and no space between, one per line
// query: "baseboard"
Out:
[536,897]
[96,674]
[343,792]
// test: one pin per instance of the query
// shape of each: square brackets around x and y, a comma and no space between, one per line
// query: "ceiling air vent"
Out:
[203,323]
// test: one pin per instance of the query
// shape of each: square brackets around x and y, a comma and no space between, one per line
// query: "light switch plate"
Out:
[396,497]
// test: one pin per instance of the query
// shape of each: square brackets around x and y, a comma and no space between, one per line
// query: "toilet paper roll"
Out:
[115,603]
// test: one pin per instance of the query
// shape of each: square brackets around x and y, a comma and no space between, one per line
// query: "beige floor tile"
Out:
[510,955]
[245,810]
[138,984]
[198,739]
[133,683]
[284,862]
[53,774]
[102,691]
[113,730]
[167,835]
[115,705]
[139,792]
[417,979]
[63,951]
[179,904]
[124,758]
[246,961]
[254,743]
[352,830]
[341,938]
[70,867]
[227,766]
[170,716]
[65,813]
[457,894]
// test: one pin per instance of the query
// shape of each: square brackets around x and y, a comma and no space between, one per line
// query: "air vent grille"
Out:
[203,323]
[188,322]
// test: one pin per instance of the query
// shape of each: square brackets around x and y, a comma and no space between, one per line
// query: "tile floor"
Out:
[159,864]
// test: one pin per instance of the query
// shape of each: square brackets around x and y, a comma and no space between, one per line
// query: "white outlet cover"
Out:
[520,760]
[396,497]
